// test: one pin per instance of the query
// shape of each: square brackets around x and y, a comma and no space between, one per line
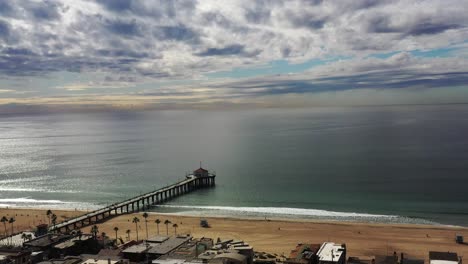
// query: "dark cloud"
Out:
[235,49]
[122,53]
[6,8]
[179,33]
[4,30]
[384,24]
[117,5]
[159,9]
[431,28]
[381,24]
[124,28]
[305,20]
[44,10]
[400,80]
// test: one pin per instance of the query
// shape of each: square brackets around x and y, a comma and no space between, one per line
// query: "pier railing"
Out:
[135,204]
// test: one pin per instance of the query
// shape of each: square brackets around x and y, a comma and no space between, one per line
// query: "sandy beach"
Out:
[278,236]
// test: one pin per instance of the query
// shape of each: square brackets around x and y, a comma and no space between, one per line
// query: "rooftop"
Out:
[330,251]
[99,261]
[231,255]
[168,245]
[16,240]
[157,239]
[47,240]
[298,252]
[200,170]
[71,242]
[447,256]
[137,249]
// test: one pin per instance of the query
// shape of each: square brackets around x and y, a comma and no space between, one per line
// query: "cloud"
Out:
[4,29]
[142,41]
[94,34]
[234,49]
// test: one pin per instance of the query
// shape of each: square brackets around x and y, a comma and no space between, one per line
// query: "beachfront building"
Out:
[331,253]
[17,239]
[361,260]
[229,258]
[154,248]
[13,256]
[104,261]
[303,254]
[436,257]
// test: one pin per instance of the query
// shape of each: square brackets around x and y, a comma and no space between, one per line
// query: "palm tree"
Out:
[4,221]
[11,221]
[116,229]
[49,214]
[175,229]
[145,216]
[128,234]
[157,224]
[167,222]
[136,220]
[94,231]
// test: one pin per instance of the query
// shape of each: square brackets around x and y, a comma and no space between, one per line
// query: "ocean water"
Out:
[403,164]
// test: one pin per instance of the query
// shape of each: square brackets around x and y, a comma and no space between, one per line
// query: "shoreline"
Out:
[272,217]
[275,235]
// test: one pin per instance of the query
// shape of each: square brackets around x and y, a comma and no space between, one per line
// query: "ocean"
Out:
[392,164]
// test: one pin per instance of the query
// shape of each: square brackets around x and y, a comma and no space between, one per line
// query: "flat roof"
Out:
[15,240]
[231,255]
[437,255]
[157,239]
[99,261]
[444,262]
[140,248]
[168,245]
[46,240]
[71,242]
[330,251]
[168,261]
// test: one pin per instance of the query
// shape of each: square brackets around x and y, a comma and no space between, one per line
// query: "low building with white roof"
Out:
[330,253]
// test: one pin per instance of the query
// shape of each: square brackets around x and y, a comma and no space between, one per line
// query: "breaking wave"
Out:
[285,213]
[278,211]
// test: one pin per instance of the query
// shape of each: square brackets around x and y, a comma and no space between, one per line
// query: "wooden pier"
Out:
[200,178]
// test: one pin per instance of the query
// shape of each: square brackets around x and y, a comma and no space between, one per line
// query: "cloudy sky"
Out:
[237,53]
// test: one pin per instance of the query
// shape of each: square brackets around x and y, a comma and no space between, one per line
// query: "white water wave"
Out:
[280,211]
[27,200]
[42,190]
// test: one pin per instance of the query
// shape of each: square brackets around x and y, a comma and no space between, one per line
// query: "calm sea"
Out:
[404,164]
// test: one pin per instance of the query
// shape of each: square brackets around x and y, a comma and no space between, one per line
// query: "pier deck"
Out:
[141,202]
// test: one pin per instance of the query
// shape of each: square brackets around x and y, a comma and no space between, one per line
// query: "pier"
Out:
[200,178]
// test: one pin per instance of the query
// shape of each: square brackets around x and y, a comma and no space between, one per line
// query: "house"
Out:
[154,247]
[436,257]
[406,260]
[303,254]
[229,258]
[330,253]
[12,256]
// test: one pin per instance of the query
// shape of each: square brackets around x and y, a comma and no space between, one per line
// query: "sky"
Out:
[117,54]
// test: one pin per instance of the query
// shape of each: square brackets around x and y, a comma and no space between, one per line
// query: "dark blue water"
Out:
[390,164]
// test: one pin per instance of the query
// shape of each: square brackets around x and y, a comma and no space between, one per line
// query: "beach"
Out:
[278,236]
